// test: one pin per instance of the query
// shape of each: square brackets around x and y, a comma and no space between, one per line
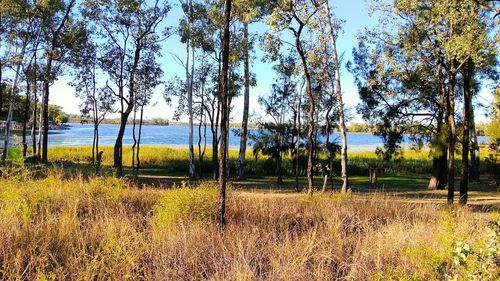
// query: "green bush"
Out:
[197,204]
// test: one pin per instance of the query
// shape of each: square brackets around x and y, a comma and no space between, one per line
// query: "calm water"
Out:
[177,136]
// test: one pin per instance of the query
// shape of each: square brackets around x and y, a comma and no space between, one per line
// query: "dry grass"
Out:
[102,228]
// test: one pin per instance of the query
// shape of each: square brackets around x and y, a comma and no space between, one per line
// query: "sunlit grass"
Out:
[71,227]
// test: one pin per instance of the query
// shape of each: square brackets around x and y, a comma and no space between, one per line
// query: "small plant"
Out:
[197,204]
[479,264]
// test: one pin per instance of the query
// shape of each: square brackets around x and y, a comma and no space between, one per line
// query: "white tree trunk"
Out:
[189,88]
[11,108]
[338,94]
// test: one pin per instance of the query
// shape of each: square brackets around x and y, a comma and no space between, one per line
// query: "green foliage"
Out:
[56,115]
[187,204]
[480,262]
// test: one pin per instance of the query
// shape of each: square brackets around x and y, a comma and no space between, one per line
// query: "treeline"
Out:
[412,77]
[79,119]
[420,70]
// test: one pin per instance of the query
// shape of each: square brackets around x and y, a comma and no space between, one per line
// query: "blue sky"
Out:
[355,14]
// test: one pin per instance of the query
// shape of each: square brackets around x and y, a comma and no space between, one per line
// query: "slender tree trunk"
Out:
[45,120]
[464,179]
[13,96]
[215,145]
[297,144]
[7,134]
[26,116]
[139,140]
[450,112]
[200,158]
[279,160]
[118,149]
[94,144]
[474,152]
[338,93]
[98,153]
[189,89]
[135,142]
[327,131]
[221,212]
[246,104]
[310,122]
[34,124]
[40,125]
[204,147]
[45,107]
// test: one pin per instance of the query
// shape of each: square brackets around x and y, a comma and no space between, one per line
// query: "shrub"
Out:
[197,204]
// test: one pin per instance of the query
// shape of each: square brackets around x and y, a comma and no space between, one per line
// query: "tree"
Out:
[130,31]
[20,19]
[97,102]
[221,211]
[148,78]
[186,33]
[296,16]
[247,11]
[425,56]
[335,80]
[275,135]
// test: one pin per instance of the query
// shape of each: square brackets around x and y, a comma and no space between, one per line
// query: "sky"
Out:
[353,12]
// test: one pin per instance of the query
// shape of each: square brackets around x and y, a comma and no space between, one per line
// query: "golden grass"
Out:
[59,228]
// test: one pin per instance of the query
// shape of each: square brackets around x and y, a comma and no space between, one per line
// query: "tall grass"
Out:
[61,228]
[175,160]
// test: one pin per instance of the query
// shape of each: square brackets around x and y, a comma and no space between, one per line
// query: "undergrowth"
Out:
[55,227]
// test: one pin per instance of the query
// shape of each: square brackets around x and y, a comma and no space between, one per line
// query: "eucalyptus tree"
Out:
[297,16]
[196,31]
[148,78]
[96,101]
[129,29]
[334,76]
[20,17]
[247,12]
[186,32]
[221,210]
[328,107]
[62,34]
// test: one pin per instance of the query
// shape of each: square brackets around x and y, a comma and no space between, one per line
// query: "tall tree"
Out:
[335,78]
[97,102]
[20,16]
[298,17]
[247,12]
[129,30]
[61,35]
[221,212]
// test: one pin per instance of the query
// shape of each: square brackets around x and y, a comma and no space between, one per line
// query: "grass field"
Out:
[71,227]
[65,222]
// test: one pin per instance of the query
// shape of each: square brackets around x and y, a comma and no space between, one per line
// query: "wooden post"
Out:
[373,178]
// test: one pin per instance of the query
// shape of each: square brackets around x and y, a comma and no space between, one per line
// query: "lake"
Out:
[78,135]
